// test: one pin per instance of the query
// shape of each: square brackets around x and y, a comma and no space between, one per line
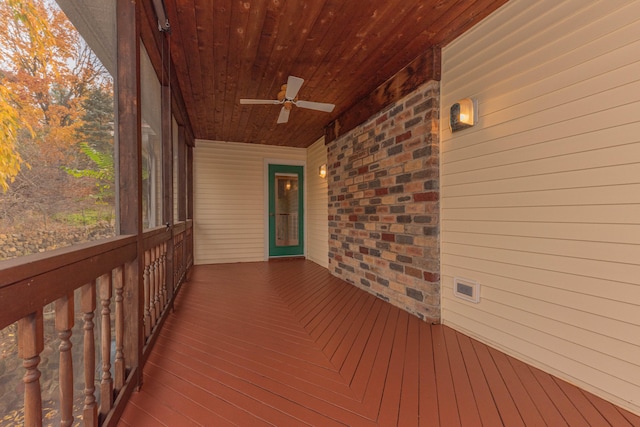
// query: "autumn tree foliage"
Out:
[49,80]
[96,134]
[10,125]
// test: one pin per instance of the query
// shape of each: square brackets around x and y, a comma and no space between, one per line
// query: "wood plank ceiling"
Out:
[224,50]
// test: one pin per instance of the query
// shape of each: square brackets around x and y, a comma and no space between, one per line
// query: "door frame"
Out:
[286,162]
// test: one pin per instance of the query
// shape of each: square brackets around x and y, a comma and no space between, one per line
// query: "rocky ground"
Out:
[20,243]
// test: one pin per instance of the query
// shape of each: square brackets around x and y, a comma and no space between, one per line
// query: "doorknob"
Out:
[272,214]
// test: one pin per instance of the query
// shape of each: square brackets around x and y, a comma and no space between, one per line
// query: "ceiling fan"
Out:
[288,97]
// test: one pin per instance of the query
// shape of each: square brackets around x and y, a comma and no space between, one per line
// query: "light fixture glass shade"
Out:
[466,112]
[463,114]
[322,171]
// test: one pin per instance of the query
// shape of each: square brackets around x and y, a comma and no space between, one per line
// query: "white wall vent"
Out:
[466,289]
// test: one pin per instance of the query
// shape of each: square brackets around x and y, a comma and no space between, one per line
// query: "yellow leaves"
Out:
[10,125]
[33,17]
[43,83]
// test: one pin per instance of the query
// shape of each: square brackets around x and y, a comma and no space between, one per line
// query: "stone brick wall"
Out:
[384,204]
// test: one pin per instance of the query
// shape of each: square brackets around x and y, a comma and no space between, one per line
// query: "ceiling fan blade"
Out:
[320,106]
[284,115]
[293,86]
[260,101]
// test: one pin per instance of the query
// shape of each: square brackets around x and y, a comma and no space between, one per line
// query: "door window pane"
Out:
[287,196]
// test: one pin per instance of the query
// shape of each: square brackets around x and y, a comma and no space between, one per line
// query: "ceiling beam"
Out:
[422,69]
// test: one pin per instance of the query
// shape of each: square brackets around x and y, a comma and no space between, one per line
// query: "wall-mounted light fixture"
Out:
[463,114]
[322,171]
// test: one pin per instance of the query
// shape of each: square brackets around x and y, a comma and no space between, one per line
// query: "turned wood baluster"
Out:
[88,306]
[64,323]
[160,297]
[152,303]
[163,275]
[118,285]
[106,383]
[156,282]
[30,345]
[176,265]
[152,287]
[167,261]
[147,293]
[179,259]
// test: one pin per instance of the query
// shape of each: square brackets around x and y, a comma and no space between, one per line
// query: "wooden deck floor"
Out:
[286,344]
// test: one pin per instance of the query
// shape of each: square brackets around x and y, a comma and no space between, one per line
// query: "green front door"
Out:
[286,232]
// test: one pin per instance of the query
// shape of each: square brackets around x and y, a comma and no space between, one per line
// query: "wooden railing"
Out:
[134,295]
[178,252]
[154,278]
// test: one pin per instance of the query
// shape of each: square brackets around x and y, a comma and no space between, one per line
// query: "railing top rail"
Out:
[17,269]
[155,236]
[179,227]
[30,282]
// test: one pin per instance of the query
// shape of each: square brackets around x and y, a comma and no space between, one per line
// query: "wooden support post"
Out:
[182,178]
[129,138]
[189,172]
[169,196]
[188,246]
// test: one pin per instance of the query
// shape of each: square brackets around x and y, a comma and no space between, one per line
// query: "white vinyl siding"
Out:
[540,202]
[229,199]
[317,206]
